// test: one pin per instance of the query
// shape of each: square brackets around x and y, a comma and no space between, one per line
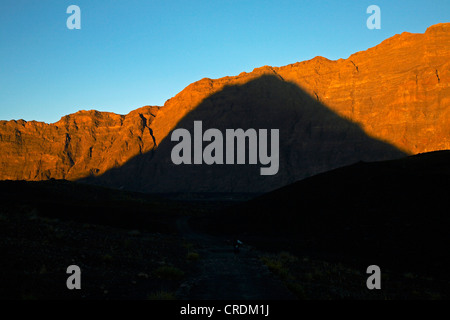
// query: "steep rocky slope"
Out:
[382,103]
[398,91]
[87,142]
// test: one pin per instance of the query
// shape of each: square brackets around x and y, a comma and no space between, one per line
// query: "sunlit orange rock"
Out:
[80,144]
[397,92]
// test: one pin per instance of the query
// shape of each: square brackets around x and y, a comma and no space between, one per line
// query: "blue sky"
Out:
[132,53]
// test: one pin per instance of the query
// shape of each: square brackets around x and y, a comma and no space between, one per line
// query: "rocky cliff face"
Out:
[390,100]
[80,144]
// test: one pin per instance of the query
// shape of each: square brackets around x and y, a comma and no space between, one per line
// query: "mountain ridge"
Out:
[394,94]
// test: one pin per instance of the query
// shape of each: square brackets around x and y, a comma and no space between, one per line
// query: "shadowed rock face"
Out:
[329,113]
[312,139]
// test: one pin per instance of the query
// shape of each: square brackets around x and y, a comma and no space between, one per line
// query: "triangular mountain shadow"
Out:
[313,139]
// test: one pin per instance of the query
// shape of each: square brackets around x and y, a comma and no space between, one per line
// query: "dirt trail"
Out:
[225,275]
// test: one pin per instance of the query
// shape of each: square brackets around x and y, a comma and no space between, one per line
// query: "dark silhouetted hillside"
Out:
[392,213]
